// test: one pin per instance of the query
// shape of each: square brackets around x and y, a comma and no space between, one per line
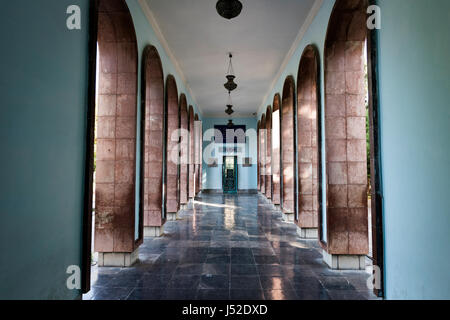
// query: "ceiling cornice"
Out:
[152,20]
[309,19]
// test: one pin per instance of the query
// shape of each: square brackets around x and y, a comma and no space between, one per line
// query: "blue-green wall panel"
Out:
[414,70]
[43,85]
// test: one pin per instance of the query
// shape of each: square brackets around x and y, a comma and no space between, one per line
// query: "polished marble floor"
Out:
[228,247]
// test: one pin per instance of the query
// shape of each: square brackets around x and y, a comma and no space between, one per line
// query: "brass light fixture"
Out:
[230,123]
[230,85]
[229,109]
[229,9]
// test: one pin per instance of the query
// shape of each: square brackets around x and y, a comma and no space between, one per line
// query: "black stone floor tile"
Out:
[216,269]
[267,259]
[184,282]
[219,251]
[336,283]
[280,295]
[241,251]
[275,283]
[245,282]
[239,294]
[244,253]
[208,281]
[307,294]
[242,259]
[208,294]
[112,293]
[152,281]
[188,269]
[218,259]
[268,270]
[180,294]
[345,295]
[146,294]
[243,269]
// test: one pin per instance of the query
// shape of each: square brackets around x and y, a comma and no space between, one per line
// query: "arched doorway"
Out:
[172,148]
[262,136]
[191,118]
[287,149]
[269,152]
[184,154]
[276,155]
[115,166]
[200,155]
[153,141]
[258,127]
[308,140]
[197,154]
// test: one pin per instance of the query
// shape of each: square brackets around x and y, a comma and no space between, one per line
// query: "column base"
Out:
[308,233]
[172,216]
[288,217]
[153,231]
[277,207]
[344,262]
[184,206]
[117,259]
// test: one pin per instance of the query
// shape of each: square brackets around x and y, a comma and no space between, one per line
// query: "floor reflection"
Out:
[228,247]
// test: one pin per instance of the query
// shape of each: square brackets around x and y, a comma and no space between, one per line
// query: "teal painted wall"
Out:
[43,85]
[414,122]
[414,70]
[247,176]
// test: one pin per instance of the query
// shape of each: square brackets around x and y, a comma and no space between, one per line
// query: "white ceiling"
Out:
[260,38]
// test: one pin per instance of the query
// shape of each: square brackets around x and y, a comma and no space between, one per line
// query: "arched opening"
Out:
[153,138]
[276,151]
[191,152]
[287,148]
[348,104]
[200,156]
[262,136]
[269,153]
[115,137]
[184,199]
[258,127]
[197,155]
[308,140]
[172,147]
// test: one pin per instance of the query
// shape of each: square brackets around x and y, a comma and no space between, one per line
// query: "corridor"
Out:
[228,247]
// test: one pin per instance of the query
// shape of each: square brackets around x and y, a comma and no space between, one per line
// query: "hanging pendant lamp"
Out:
[230,123]
[230,85]
[229,109]
[229,9]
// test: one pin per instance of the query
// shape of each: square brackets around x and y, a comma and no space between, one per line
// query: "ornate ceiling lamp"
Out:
[229,109]
[230,85]
[230,124]
[229,9]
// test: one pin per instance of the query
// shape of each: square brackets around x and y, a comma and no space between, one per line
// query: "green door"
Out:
[229,175]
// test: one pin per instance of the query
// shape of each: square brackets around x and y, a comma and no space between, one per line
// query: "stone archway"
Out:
[115,174]
[287,149]
[308,140]
[153,149]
